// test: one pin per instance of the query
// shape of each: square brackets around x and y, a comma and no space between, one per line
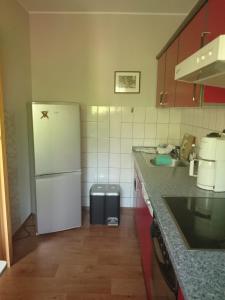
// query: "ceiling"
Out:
[130,6]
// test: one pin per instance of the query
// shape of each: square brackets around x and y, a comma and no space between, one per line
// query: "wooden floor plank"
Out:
[88,263]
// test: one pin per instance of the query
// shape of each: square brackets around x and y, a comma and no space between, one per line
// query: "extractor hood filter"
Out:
[206,66]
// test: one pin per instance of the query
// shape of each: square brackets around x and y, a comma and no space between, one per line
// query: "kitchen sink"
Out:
[149,158]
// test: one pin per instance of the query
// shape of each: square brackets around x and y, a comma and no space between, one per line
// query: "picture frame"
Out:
[127,82]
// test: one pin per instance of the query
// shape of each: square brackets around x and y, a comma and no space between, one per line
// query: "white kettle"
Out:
[211,164]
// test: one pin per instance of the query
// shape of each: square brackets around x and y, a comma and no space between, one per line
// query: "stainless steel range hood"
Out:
[206,66]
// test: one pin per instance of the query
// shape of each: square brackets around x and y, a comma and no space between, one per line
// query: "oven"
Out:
[164,282]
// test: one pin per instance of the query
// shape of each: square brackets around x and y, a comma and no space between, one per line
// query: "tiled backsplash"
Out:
[108,134]
[201,121]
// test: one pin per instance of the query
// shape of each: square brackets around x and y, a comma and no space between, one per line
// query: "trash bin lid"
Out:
[112,190]
[98,190]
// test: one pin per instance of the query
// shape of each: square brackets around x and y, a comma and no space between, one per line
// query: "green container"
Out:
[162,160]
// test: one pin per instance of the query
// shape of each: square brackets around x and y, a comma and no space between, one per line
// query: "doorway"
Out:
[5,224]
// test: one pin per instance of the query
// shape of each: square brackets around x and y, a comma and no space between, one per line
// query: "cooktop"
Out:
[201,220]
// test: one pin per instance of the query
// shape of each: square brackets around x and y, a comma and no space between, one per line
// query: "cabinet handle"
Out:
[164,98]
[161,96]
[194,93]
[203,36]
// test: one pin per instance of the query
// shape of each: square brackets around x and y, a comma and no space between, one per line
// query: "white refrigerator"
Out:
[57,171]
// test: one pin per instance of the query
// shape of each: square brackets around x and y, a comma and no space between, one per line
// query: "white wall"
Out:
[15,68]
[203,120]
[74,56]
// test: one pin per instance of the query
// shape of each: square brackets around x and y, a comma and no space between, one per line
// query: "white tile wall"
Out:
[201,121]
[138,130]
[108,134]
[126,130]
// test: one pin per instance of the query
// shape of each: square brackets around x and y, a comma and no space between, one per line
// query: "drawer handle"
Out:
[203,36]
[161,97]
[194,93]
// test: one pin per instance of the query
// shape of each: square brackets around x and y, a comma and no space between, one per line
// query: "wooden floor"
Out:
[90,263]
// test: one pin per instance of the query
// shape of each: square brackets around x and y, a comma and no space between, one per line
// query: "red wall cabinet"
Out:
[161,80]
[216,26]
[190,41]
[205,26]
[170,83]
[166,85]
[216,19]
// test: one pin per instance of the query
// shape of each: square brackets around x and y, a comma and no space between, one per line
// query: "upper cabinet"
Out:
[161,72]
[205,22]
[190,40]
[216,26]
[166,85]
[216,18]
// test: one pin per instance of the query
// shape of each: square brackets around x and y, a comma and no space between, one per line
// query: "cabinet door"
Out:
[216,26]
[143,222]
[180,295]
[190,41]
[170,83]
[216,19]
[146,246]
[161,80]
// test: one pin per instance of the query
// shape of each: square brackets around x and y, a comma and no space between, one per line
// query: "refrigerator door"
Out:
[58,202]
[56,134]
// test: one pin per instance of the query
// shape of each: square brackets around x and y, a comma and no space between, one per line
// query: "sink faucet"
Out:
[175,153]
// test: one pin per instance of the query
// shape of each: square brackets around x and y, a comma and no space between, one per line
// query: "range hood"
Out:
[206,66]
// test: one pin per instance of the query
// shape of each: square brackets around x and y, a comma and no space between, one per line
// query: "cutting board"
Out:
[186,146]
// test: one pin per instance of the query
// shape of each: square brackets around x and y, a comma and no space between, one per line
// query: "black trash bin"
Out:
[97,204]
[105,204]
[112,205]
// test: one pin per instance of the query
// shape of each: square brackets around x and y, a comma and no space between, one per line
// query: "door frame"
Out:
[5,220]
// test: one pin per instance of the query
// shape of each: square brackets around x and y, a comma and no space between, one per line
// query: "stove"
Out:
[200,220]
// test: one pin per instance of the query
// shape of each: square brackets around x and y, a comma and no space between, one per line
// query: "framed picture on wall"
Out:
[127,82]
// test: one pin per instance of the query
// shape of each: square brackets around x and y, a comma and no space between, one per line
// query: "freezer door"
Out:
[58,202]
[56,133]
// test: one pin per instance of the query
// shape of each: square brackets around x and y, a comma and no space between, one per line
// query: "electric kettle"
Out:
[211,164]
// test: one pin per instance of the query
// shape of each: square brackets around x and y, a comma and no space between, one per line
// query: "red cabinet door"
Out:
[216,19]
[170,83]
[146,246]
[166,84]
[190,41]
[143,222]
[216,26]
[180,295]
[161,80]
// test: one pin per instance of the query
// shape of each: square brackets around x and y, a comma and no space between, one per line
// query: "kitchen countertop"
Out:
[200,273]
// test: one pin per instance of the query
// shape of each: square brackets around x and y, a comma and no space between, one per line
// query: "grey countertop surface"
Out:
[200,273]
